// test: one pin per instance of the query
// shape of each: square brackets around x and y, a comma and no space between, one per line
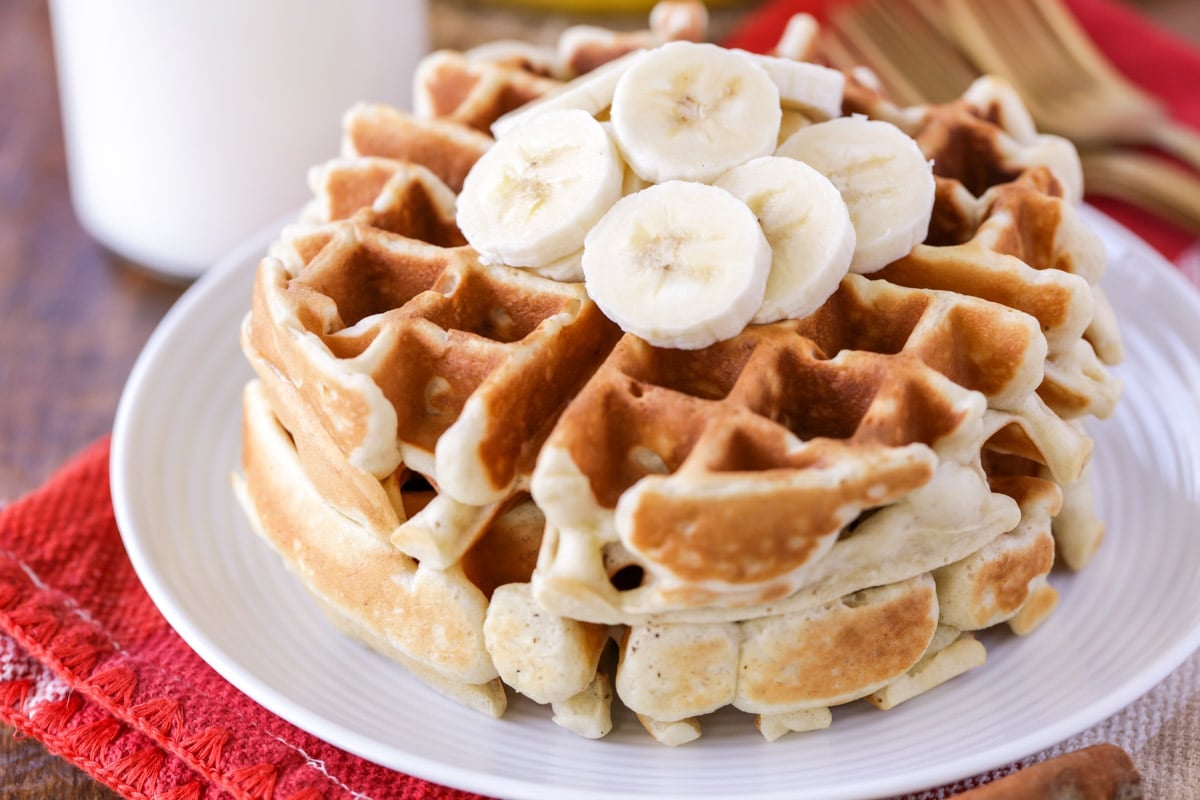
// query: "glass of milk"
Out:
[189,126]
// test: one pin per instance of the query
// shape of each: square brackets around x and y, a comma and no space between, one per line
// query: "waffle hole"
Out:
[627,578]
[416,482]
[857,523]
[415,493]
[856,600]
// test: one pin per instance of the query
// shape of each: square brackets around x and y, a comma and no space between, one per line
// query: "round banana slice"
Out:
[688,111]
[809,229]
[804,86]
[531,199]
[591,92]
[679,264]
[884,178]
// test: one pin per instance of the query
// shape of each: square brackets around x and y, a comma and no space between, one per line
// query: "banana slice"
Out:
[688,111]
[564,270]
[533,196]
[591,92]
[884,178]
[804,86]
[679,264]
[809,229]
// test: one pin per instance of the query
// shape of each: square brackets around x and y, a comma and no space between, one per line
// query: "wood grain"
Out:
[73,318]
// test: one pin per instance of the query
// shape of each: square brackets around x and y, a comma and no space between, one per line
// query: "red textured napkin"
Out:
[1162,64]
[90,668]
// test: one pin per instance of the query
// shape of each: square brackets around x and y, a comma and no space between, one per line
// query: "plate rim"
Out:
[122,468]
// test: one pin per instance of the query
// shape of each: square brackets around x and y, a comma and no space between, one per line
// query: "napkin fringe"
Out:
[14,693]
[51,628]
[194,790]
[92,739]
[141,768]
[207,746]
[163,714]
[256,781]
[117,683]
[82,746]
[54,715]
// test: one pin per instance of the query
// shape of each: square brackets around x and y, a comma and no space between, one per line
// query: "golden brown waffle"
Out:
[387,340]
[451,86]
[433,441]
[1005,229]
[395,196]
[1008,576]
[369,589]
[446,148]
[886,393]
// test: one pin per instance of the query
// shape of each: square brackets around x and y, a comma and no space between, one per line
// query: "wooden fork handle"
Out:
[1162,188]
[1181,142]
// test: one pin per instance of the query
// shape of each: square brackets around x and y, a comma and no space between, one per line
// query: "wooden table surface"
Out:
[73,318]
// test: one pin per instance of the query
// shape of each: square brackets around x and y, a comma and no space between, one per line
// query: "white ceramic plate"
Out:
[1123,624]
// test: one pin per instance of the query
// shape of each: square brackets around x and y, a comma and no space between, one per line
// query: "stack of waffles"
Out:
[491,466]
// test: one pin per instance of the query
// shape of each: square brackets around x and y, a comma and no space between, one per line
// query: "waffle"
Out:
[475,92]
[387,340]
[436,443]
[446,148]
[368,589]
[1007,577]
[855,390]
[386,194]
[1005,228]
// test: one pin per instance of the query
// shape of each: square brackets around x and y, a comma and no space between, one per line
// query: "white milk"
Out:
[190,125]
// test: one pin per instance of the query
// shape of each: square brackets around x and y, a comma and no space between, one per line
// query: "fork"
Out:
[1145,181]
[913,50]
[904,44]
[1069,86]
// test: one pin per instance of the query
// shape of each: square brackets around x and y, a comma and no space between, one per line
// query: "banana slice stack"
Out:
[659,180]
